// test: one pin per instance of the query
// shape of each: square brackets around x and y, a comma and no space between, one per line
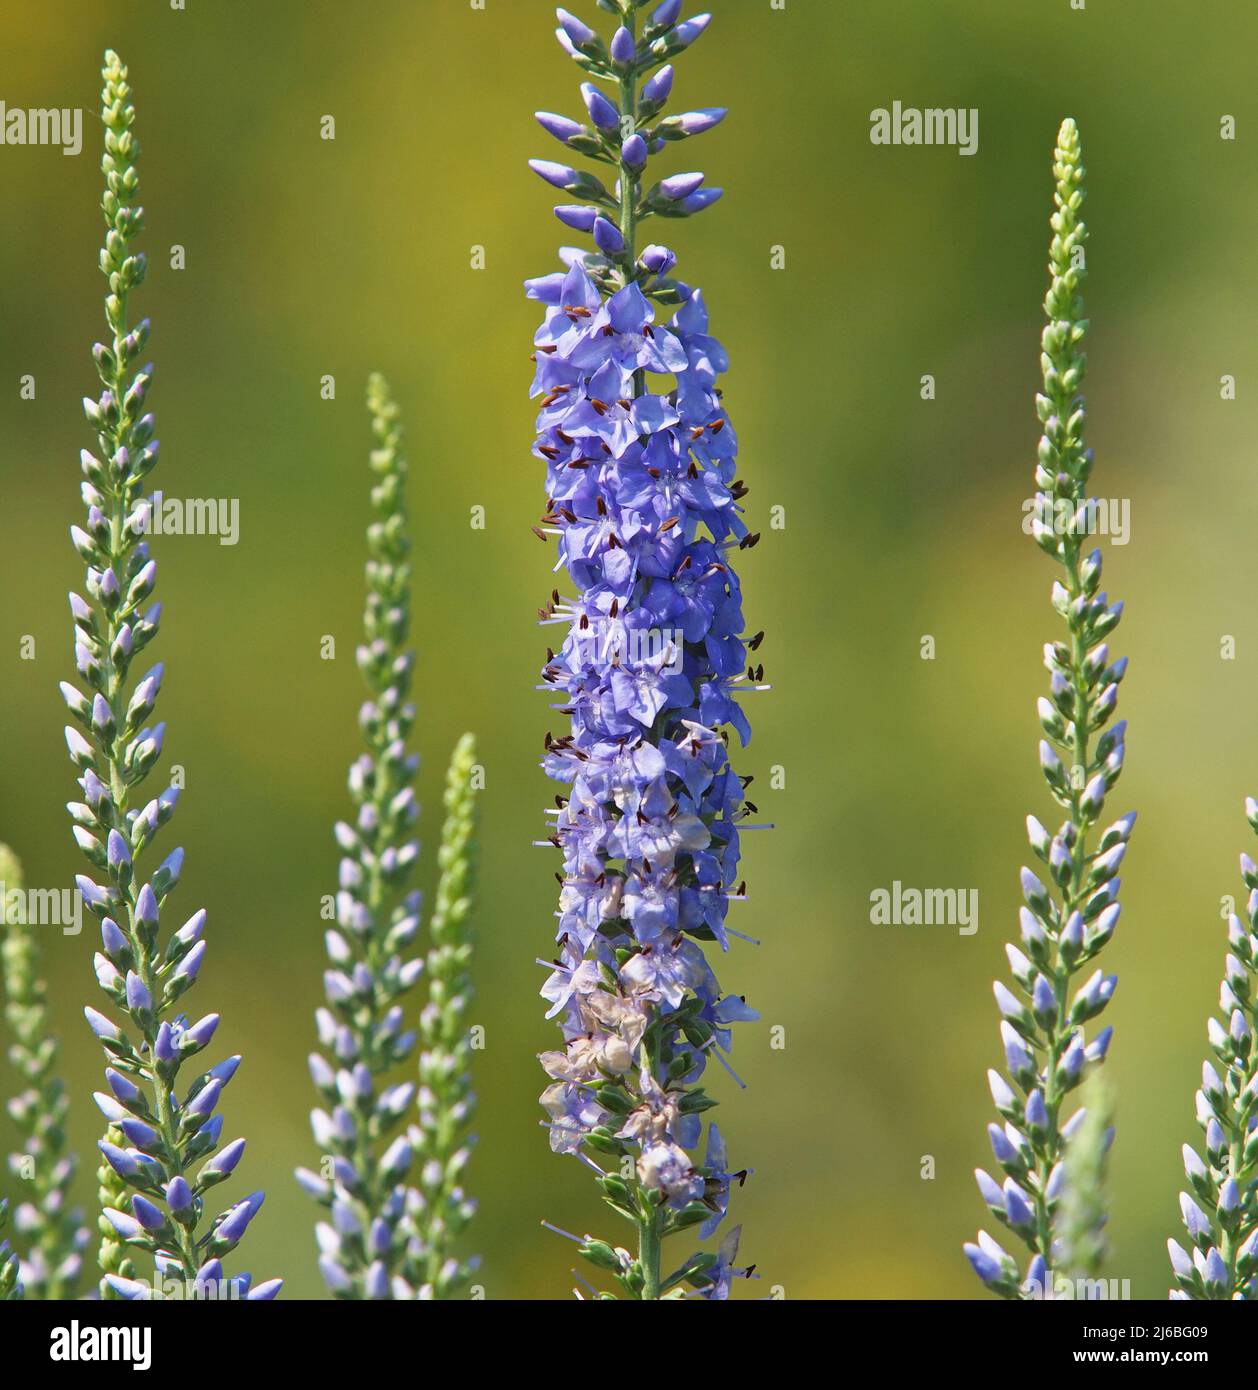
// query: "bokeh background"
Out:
[307,257]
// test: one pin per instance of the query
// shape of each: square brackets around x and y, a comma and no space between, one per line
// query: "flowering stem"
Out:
[643,498]
[446,1099]
[165,1136]
[364,1161]
[1064,924]
[1220,1214]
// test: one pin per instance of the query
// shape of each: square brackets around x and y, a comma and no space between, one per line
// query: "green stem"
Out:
[1072,898]
[649,1256]
[1064,313]
[628,176]
[1228,1245]
[649,1234]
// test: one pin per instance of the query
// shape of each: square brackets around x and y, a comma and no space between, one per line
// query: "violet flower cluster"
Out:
[643,500]
[164,1147]
[1067,920]
[1220,1214]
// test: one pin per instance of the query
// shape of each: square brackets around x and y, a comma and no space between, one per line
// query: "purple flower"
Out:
[696,122]
[623,49]
[580,34]
[985,1265]
[560,127]
[577,216]
[602,112]
[152,1218]
[633,151]
[640,462]
[607,237]
[656,89]
[233,1226]
[687,32]
[561,175]
[678,186]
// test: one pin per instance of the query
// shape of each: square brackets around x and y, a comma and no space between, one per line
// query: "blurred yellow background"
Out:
[307,257]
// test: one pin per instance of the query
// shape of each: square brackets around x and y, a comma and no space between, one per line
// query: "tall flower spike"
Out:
[166,1163]
[642,496]
[1069,918]
[51,1232]
[1220,1214]
[440,1209]
[366,1161]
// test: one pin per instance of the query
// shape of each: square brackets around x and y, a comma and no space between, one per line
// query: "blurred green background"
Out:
[307,257]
